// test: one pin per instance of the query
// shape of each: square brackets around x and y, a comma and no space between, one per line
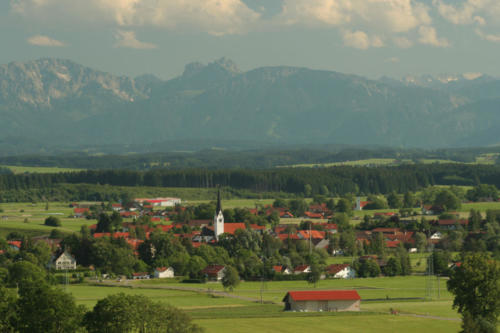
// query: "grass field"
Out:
[29,218]
[333,323]
[229,314]
[29,169]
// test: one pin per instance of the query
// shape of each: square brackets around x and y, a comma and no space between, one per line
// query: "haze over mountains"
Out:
[57,103]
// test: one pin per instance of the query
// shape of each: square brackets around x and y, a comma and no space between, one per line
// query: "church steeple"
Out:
[218,218]
[219,206]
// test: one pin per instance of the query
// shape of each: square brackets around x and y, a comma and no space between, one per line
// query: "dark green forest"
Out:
[334,180]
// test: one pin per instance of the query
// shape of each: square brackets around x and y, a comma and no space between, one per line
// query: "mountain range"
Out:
[51,103]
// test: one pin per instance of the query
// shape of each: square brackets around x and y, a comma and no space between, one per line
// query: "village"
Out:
[163,238]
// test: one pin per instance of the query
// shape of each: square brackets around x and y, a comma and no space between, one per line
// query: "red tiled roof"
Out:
[315,234]
[313,215]
[213,269]
[301,268]
[80,210]
[324,295]
[278,268]
[231,228]
[140,274]
[257,227]
[286,236]
[335,268]
[15,243]
[161,269]
[387,230]
[452,222]
[392,244]
[102,234]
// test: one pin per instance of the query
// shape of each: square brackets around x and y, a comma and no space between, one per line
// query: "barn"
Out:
[322,300]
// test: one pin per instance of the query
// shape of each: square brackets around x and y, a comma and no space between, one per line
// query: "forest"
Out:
[294,181]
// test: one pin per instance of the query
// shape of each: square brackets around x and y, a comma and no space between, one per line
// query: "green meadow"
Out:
[241,310]
[31,169]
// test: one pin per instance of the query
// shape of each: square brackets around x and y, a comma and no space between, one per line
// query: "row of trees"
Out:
[309,181]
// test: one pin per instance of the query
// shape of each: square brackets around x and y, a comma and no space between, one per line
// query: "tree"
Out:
[447,199]
[476,286]
[420,241]
[315,275]
[393,267]
[344,206]
[394,201]
[409,200]
[8,315]
[231,278]
[52,221]
[42,308]
[307,190]
[127,313]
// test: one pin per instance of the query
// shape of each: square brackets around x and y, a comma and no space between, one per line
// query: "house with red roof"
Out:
[140,276]
[322,300]
[214,272]
[285,215]
[164,272]
[340,271]
[450,224]
[280,269]
[312,215]
[14,245]
[80,212]
[302,269]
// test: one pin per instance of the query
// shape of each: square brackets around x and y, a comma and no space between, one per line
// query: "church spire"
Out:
[219,206]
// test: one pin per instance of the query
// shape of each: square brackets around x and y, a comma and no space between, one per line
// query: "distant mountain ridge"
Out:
[50,103]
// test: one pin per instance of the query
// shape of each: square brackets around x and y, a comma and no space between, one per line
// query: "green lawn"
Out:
[333,323]
[29,218]
[27,169]
[88,295]
[370,288]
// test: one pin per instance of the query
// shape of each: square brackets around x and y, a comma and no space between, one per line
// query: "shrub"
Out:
[52,221]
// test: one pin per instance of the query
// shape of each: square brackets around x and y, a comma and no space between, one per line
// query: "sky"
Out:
[371,38]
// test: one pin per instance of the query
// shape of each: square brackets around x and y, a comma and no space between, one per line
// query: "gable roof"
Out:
[230,228]
[301,268]
[323,295]
[213,269]
[335,268]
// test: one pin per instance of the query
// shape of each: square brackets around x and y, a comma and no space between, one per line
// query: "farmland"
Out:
[236,312]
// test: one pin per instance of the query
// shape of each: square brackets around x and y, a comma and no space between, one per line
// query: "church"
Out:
[212,233]
[218,218]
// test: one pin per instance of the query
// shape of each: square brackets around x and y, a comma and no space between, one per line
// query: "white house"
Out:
[214,272]
[164,272]
[341,271]
[437,235]
[64,261]
[322,300]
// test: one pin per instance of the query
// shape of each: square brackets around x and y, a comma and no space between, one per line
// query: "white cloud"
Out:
[428,36]
[360,40]
[388,15]
[128,39]
[489,37]
[403,42]
[469,11]
[217,17]
[40,40]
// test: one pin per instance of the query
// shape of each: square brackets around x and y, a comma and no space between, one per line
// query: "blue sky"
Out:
[366,37]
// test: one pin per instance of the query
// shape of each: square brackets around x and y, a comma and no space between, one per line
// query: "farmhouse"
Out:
[64,261]
[164,272]
[341,271]
[214,272]
[302,269]
[322,300]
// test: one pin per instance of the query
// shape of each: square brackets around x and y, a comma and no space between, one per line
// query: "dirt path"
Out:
[428,317]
